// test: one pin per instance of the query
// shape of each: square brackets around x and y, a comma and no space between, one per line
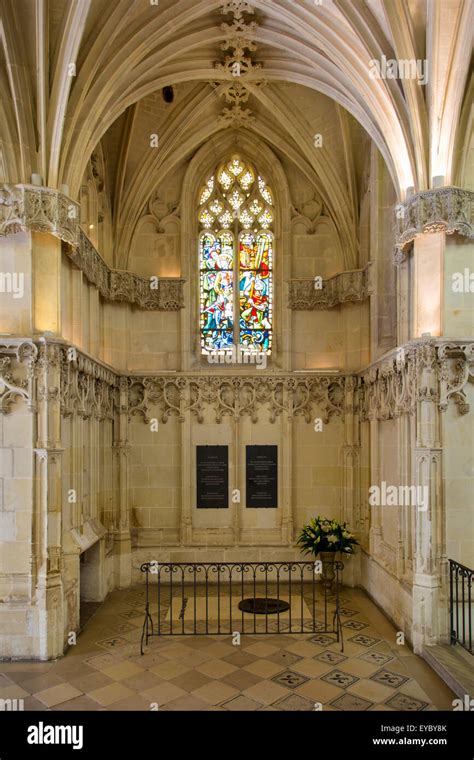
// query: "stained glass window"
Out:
[236,214]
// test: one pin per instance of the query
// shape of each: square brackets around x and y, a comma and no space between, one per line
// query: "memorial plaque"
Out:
[212,477]
[262,476]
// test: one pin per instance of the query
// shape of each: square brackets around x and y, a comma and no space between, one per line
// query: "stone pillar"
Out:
[287,525]
[48,507]
[430,558]
[351,476]
[186,524]
[122,538]
[427,286]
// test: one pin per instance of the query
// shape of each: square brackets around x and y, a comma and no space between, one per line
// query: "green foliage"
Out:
[323,535]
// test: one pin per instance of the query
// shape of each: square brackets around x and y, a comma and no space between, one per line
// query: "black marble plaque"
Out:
[212,477]
[262,476]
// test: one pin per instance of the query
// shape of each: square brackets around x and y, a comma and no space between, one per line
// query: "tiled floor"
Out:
[105,671]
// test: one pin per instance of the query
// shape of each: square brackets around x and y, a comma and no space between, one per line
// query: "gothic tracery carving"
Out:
[304,295]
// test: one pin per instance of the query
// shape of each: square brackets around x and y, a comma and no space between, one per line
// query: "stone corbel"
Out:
[443,209]
[456,370]
[11,388]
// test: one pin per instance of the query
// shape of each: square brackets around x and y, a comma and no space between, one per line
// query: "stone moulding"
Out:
[444,209]
[26,207]
[344,287]
[424,370]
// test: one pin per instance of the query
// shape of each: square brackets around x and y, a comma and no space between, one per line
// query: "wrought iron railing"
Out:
[203,598]
[460,604]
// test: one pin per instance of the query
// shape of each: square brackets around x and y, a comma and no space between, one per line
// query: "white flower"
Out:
[332,539]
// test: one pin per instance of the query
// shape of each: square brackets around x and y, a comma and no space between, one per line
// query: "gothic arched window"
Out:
[236,213]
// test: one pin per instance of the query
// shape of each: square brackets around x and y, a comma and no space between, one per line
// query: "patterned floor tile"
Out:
[389,678]
[323,640]
[290,679]
[102,661]
[377,658]
[351,702]
[112,642]
[339,678]
[406,703]
[345,612]
[365,641]
[122,627]
[294,703]
[355,625]
[332,658]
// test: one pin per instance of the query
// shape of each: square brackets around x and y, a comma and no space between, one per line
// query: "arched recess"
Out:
[202,165]
[186,131]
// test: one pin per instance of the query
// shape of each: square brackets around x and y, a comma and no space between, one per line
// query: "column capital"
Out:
[442,209]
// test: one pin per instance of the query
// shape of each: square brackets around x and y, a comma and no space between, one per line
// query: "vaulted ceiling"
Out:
[78,75]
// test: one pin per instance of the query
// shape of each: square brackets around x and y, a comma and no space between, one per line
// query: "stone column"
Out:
[430,559]
[48,507]
[351,475]
[186,524]
[287,525]
[122,538]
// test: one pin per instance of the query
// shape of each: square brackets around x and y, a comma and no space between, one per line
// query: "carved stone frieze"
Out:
[443,209]
[25,207]
[306,295]
[237,396]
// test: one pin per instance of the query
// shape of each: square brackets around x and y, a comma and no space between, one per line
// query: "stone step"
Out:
[454,665]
